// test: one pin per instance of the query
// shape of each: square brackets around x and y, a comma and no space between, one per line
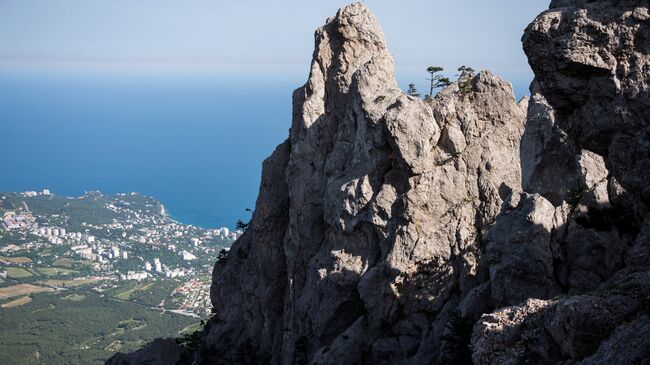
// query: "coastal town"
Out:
[124,245]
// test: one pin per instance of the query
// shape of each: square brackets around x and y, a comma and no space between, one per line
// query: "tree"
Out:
[465,71]
[437,81]
[222,256]
[412,90]
[241,225]
[464,80]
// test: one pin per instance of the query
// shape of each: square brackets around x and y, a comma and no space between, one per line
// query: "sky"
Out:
[255,37]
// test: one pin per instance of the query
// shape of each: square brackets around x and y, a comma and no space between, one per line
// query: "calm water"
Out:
[195,142]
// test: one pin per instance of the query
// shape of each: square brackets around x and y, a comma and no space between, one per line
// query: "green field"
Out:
[67,283]
[18,272]
[65,262]
[149,292]
[56,271]
[70,263]
[70,327]
[74,297]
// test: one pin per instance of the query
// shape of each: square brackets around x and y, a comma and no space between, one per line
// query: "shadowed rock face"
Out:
[591,62]
[592,66]
[391,230]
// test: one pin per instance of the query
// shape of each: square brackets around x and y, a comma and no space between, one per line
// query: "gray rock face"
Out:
[591,61]
[591,94]
[467,228]
[377,229]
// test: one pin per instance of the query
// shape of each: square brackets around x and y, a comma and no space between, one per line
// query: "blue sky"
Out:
[255,36]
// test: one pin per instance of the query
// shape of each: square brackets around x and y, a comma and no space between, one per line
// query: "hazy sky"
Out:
[272,36]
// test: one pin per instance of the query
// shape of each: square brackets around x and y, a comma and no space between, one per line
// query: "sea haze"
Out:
[195,142]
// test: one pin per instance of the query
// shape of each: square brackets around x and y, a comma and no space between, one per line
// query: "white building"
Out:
[147,266]
[134,276]
[174,273]
[195,241]
[3,274]
[55,240]
[46,192]
[125,255]
[157,265]
[87,255]
[115,251]
[187,256]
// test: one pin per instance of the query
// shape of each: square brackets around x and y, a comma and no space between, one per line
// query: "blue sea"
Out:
[195,142]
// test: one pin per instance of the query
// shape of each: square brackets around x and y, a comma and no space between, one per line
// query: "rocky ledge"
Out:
[466,228]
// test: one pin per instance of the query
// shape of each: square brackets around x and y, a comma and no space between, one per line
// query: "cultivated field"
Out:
[68,283]
[18,272]
[17,302]
[55,271]
[21,289]
[16,260]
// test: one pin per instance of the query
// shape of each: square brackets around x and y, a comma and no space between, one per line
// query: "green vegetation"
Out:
[75,297]
[465,76]
[64,262]
[241,225]
[55,271]
[56,308]
[18,272]
[85,330]
[436,80]
[222,256]
[16,260]
[71,283]
[150,292]
[413,91]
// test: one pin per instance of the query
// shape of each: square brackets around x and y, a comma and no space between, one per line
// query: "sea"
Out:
[195,141]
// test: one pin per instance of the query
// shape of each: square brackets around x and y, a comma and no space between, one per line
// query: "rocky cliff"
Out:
[470,227]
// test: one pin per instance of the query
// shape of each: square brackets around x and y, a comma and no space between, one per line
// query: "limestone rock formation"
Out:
[370,217]
[466,228]
[586,148]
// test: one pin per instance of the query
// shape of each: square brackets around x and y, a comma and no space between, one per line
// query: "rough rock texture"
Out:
[585,149]
[467,228]
[591,61]
[377,230]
